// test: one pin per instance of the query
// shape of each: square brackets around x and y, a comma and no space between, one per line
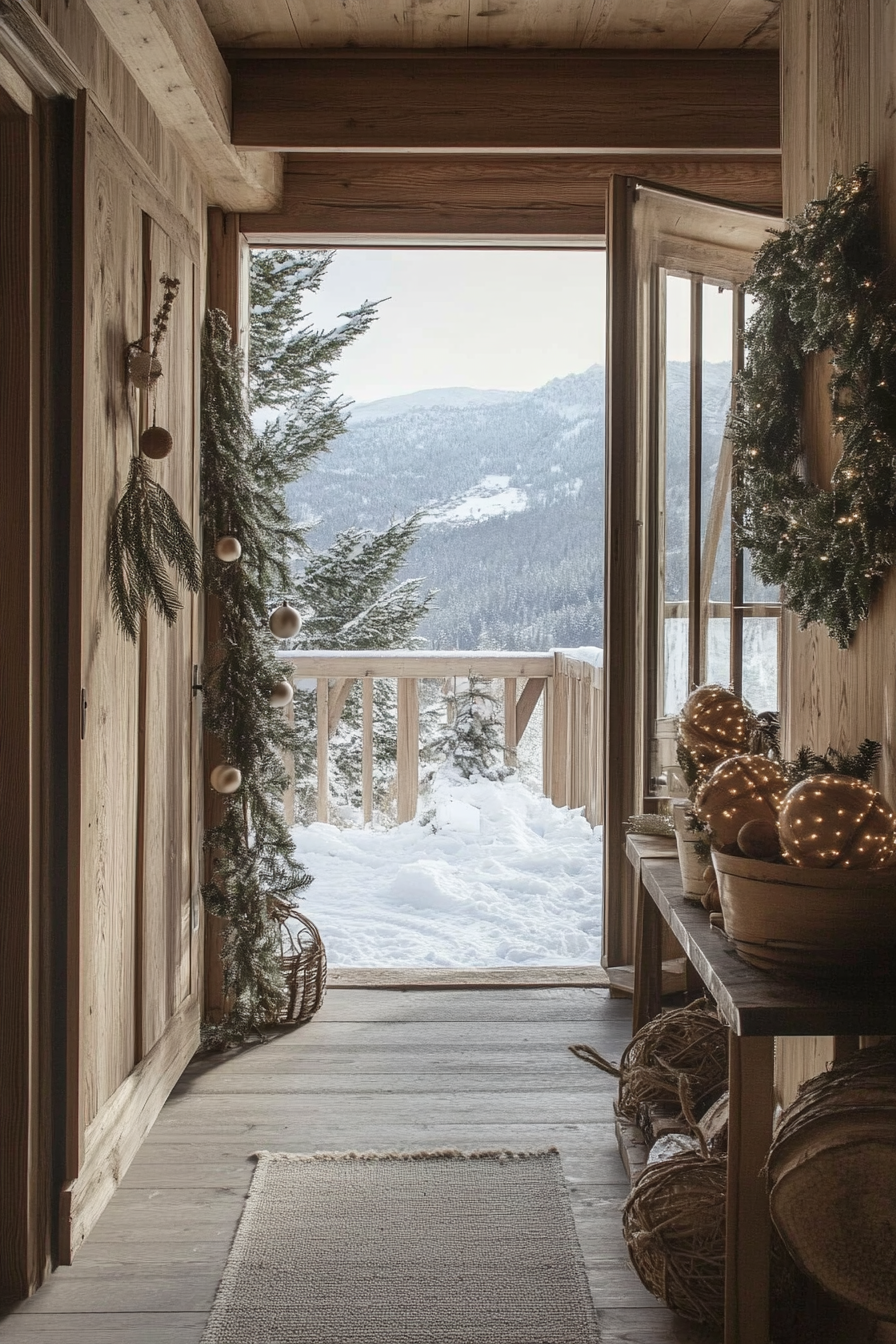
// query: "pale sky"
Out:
[465,318]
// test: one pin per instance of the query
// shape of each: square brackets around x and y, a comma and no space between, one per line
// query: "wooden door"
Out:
[132,993]
[677,595]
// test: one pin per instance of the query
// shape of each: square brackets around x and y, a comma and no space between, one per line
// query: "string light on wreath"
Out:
[831,563]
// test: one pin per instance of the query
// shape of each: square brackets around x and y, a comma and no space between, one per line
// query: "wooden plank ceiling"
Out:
[689,24]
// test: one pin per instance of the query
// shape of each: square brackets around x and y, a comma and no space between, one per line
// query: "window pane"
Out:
[754,589]
[674,547]
[715,502]
[760,665]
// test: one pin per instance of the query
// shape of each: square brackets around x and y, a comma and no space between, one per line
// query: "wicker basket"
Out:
[832,1180]
[809,922]
[674,1226]
[304,969]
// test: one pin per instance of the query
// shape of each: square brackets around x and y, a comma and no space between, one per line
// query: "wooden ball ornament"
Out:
[156,442]
[836,821]
[714,724]
[225,779]
[744,788]
[758,839]
[228,549]
[281,694]
[285,621]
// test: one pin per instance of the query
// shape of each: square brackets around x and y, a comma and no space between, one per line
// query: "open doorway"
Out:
[458,515]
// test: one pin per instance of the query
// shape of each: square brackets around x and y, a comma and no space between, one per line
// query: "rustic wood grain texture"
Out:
[460,23]
[465,195]
[838,96]
[132,969]
[483,100]
[22,1169]
[82,43]
[751,1065]
[170,782]
[752,1002]
[150,1269]
[169,51]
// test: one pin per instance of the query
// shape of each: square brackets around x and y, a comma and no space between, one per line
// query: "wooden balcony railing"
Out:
[572,744]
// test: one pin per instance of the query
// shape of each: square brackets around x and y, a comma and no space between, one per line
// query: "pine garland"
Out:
[821,285]
[256,875]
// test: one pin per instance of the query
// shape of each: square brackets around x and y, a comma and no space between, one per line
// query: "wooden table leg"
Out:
[751,1070]
[648,986]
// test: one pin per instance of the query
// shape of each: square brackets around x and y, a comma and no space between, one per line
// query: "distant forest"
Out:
[512,490]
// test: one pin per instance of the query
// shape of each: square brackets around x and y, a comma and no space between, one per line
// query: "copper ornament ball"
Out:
[744,788]
[228,549]
[285,621]
[225,778]
[156,442]
[714,724]
[281,694]
[837,821]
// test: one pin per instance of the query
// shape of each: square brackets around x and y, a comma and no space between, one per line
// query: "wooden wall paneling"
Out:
[110,1104]
[86,50]
[542,196]
[23,1157]
[168,823]
[492,100]
[838,90]
[109,663]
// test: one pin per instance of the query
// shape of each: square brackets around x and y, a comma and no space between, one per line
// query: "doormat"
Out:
[405,1248]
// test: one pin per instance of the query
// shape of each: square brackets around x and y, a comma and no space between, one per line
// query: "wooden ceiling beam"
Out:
[492,100]
[374,198]
[169,50]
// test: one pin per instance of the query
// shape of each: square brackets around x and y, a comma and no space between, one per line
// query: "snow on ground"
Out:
[497,877]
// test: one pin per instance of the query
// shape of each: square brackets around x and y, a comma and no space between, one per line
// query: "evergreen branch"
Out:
[146,535]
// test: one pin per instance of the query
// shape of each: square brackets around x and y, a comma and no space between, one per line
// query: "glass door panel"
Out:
[674,545]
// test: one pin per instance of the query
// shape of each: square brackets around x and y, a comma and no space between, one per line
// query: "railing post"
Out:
[408,748]
[510,738]
[367,748]
[559,734]
[547,738]
[289,762]
[323,749]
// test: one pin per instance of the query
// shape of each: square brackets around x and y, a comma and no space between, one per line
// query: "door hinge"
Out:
[83,713]
[197,684]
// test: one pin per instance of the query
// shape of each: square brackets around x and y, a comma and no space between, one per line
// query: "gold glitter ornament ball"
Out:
[714,724]
[836,821]
[742,789]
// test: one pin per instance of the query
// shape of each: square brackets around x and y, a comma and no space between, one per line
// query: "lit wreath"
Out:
[820,284]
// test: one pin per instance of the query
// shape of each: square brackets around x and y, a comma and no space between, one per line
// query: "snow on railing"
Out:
[570,681]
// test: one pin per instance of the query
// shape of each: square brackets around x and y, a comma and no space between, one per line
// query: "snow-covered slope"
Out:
[503,879]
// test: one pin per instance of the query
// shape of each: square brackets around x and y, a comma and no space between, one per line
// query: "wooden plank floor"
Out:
[376,1069]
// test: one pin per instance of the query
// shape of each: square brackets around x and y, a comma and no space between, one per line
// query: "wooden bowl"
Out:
[809,923]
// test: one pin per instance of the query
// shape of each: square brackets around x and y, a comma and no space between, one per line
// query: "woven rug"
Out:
[405,1248]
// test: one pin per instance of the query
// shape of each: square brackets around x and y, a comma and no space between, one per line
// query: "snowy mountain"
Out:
[511,486]
[386,407]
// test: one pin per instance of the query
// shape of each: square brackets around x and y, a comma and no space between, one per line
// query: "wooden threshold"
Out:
[499,977]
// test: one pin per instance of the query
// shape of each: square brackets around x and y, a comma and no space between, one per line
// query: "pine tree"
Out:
[351,600]
[256,875]
[472,740]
